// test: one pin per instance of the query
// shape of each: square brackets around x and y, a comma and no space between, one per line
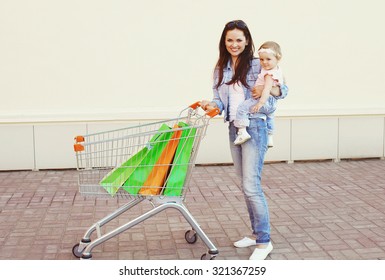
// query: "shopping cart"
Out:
[148,162]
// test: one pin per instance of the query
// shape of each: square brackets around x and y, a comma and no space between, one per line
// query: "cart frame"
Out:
[99,152]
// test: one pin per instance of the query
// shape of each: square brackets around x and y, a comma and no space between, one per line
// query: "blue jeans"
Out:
[248,161]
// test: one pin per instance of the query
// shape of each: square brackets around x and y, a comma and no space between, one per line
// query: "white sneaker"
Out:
[245,242]
[270,142]
[261,253]
[242,137]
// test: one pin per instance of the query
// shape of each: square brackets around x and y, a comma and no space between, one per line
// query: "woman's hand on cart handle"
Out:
[210,108]
[208,105]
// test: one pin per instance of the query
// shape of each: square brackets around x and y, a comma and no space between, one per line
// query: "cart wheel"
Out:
[208,257]
[190,236]
[75,251]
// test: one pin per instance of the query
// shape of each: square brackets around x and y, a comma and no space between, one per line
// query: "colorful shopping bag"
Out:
[138,177]
[155,180]
[177,177]
[116,178]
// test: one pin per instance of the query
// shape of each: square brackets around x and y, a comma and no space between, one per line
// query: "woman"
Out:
[234,77]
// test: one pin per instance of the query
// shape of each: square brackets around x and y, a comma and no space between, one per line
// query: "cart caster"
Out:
[191,236]
[86,257]
[75,251]
[79,252]
[206,256]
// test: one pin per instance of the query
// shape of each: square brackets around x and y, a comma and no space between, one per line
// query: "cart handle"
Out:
[211,113]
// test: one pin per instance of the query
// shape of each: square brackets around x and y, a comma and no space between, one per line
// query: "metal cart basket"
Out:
[147,162]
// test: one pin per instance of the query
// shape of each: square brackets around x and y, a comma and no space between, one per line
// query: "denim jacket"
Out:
[221,95]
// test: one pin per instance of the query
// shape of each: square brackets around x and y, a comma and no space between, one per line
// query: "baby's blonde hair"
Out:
[274,47]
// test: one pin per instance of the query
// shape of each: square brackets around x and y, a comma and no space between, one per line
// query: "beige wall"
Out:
[65,63]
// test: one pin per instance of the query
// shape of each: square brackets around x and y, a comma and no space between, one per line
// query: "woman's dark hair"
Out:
[244,59]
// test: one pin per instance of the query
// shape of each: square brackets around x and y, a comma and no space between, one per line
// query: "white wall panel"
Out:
[50,145]
[361,137]
[214,146]
[16,149]
[282,141]
[96,127]
[314,138]
[54,145]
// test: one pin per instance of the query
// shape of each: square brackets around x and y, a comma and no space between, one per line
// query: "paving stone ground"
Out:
[319,210]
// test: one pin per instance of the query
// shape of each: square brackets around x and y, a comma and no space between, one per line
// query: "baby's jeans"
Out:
[243,113]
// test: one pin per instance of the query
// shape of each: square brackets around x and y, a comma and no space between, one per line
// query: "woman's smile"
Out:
[235,42]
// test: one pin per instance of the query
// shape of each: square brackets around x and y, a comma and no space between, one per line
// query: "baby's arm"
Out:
[265,93]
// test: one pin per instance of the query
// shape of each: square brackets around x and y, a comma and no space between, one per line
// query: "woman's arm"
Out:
[216,102]
[284,90]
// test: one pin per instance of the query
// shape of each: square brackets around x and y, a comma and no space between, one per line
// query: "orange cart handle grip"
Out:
[211,113]
[79,139]
[195,105]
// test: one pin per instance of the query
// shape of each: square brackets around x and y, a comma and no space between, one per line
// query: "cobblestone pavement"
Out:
[319,210]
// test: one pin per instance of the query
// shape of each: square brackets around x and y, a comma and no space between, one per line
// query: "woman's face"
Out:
[235,42]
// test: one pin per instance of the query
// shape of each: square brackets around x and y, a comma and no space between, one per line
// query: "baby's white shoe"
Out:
[242,137]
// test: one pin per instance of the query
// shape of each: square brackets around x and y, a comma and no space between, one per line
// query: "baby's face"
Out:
[268,60]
